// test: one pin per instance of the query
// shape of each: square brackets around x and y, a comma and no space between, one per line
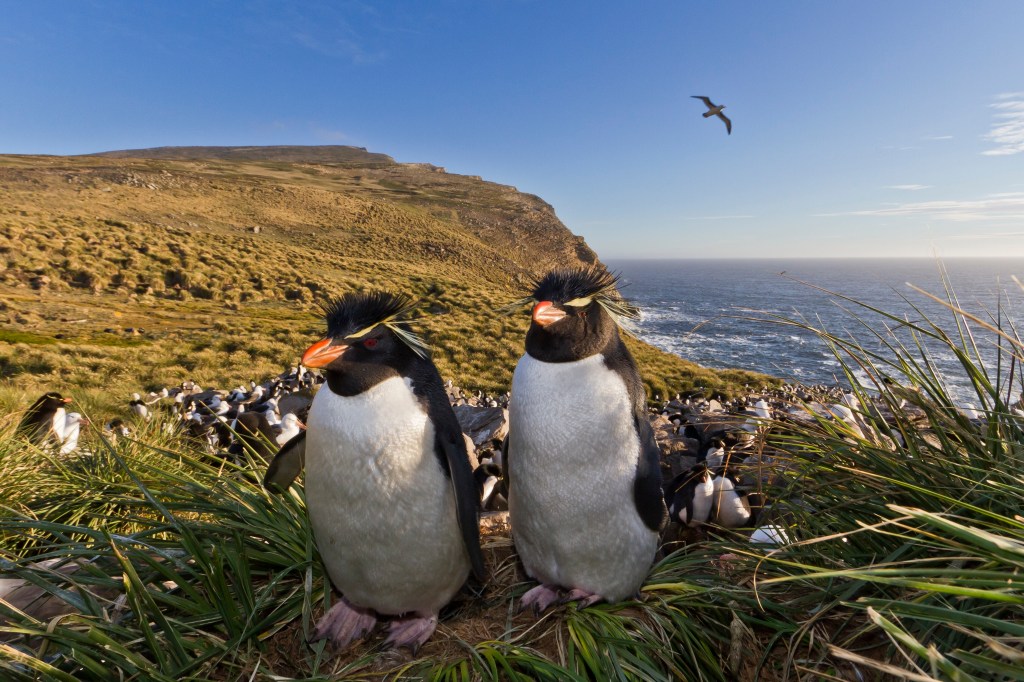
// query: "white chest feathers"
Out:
[573,454]
[382,509]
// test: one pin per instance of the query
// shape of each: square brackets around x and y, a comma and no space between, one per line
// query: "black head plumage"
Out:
[583,284]
[356,313]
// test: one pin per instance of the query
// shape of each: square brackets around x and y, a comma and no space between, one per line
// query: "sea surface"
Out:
[702,310]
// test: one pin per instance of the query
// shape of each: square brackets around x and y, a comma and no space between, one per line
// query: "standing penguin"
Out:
[585,498]
[389,487]
[690,496]
[45,416]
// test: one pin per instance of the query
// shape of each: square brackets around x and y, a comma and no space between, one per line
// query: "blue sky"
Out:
[859,128]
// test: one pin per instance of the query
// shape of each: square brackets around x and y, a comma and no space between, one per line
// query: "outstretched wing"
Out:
[728,123]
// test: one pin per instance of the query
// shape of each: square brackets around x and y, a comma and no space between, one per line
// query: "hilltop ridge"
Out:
[285,153]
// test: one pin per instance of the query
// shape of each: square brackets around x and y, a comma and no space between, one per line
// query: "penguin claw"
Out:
[344,624]
[411,632]
[539,598]
[584,597]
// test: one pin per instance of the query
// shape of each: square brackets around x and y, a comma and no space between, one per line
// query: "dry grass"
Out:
[138,273]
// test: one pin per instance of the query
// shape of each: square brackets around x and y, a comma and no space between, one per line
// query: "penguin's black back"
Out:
[39,417]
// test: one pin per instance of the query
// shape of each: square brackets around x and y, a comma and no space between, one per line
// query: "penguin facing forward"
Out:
[389,487]
[43,418]
[585,498]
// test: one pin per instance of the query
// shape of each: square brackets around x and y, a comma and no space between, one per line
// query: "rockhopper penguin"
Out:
[585,498]
[389,487]
[45,417]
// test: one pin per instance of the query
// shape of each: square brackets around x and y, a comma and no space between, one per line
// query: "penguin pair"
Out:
[699,496]
[48,420]
[44,418]
[390,492]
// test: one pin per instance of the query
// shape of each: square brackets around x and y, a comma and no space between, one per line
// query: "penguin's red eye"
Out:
[371,342]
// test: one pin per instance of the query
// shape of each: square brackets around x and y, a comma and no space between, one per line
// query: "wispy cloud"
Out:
[717,217]
[937,137]
[1007,131]
[329,135]
[912,188]
[988,235]
[1003,206]
[346,31]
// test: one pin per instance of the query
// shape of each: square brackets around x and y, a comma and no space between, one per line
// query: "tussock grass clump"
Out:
[908,528]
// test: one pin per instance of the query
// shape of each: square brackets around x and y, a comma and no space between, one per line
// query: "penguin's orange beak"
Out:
[65,400]
[322,353]
[545,313]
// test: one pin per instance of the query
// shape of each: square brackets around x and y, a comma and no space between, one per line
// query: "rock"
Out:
[297,403]
[474,460]
[482,424]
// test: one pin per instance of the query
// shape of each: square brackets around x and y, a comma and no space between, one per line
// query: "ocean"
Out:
[701,310]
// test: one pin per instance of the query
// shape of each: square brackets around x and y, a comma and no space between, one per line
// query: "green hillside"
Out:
[138,269]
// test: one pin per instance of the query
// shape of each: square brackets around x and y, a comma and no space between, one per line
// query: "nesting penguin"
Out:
[582,465]
[690,496]
[389,488]
[43,418]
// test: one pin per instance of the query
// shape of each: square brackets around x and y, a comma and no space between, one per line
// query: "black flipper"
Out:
[450,447]
[466,506]
[505,471]
[647,491]
[287,464]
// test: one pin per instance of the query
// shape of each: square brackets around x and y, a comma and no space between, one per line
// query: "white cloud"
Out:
[938,137]
[908,187]
[1004,206]
[1008,125]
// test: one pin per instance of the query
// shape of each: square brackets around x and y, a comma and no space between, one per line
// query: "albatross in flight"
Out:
[715,110]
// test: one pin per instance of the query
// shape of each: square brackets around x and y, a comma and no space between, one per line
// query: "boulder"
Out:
[482,424]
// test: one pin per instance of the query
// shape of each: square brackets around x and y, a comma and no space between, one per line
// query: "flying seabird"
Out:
[715,110]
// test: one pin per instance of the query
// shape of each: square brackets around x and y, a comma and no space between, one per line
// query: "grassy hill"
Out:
[139,268]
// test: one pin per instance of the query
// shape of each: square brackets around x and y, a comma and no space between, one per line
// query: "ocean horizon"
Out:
[718,312]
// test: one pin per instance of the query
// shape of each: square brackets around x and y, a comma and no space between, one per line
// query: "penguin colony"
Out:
[393,498]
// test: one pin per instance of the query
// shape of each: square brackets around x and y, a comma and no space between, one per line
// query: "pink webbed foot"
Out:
[344,624]
[539,598]
[411,631]
[584,598]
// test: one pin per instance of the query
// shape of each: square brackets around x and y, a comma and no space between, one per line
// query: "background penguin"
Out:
[730,506]
[389,487]
[44,417]
[689,496]
[585,497]
[253,430]
[68,438]
[138,407]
